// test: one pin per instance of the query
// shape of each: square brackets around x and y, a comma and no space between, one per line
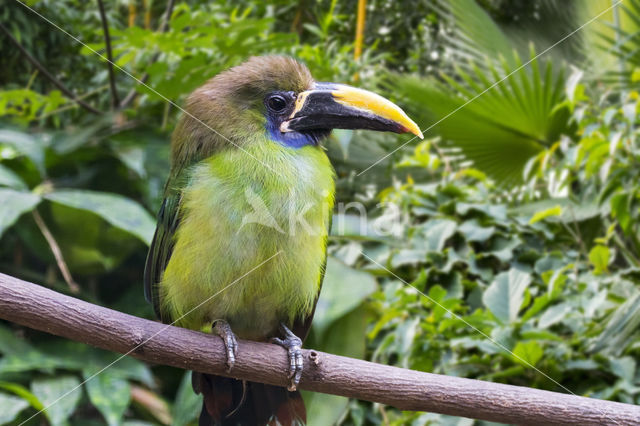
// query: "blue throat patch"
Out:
[290,139]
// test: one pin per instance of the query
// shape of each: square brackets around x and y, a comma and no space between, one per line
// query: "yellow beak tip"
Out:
[413,128]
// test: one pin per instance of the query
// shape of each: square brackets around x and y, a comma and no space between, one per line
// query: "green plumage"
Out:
[237,213]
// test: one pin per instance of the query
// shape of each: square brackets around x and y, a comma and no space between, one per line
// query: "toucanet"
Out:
[241,239]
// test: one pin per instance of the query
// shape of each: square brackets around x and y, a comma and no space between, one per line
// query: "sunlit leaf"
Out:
[505,295]
[528,353]
[599,258]
[59,395]
[10,407]
[541,215]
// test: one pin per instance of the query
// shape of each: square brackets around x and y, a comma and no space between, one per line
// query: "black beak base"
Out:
[322,111]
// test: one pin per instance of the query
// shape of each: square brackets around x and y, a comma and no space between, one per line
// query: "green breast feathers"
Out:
[236,214]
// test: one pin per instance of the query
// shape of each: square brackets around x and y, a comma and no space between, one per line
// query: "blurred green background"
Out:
[518,214]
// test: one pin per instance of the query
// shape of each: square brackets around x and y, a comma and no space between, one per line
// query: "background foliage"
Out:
[513,246]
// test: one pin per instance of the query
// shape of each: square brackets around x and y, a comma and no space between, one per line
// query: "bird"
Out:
[240,245]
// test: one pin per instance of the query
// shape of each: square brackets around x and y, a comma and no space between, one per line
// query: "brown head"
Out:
[275,96]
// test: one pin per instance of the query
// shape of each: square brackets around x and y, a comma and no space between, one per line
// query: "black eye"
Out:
[276,103]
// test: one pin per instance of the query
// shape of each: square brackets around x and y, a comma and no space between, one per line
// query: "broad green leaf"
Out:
[13,204]
[528,353]
[119,211]
[10,179]
[25,144]
[436,233]
[60,395]
[571,211]
[473,231]
[620,328]
[553,315]
[599,259]
[109,394]
[187,404]
[10,407]
[344,288]
[624,367]
[505,295]
[541,215]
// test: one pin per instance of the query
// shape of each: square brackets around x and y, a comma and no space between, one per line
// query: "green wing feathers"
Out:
[160,250]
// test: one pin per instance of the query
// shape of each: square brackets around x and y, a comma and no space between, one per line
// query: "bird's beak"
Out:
[338,106]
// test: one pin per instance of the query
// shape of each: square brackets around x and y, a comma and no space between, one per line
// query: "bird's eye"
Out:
[276,103]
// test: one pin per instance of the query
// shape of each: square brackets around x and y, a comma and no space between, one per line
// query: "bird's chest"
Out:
[251,243]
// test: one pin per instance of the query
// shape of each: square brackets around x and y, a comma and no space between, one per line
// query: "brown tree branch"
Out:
[46,73]
[164,26]
[115,101]
[37,307]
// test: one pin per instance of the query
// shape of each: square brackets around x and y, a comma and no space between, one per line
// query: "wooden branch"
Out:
[37,307]
[46,73]
[164,26]
[115,101]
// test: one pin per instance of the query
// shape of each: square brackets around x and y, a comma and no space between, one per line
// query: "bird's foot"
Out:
[223,329]
[293,345]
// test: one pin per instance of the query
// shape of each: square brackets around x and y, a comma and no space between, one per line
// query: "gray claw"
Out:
[293,345]
[223,329]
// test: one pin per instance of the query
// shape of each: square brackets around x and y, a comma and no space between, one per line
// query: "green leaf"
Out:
[527,353]
[119,211]
[515,119]
[505,295]
[541,215]
[10,179]
[473,231]
[344,288]
[345,337]
[10,407]
[436,233]
[553,315]
[25,144]
[109,394]
[620,328]
[13,204]
[23,393]
[60,395]
[12,344]
[187,403]
[599,259]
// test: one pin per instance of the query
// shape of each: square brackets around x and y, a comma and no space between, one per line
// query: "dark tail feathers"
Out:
[231,402]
